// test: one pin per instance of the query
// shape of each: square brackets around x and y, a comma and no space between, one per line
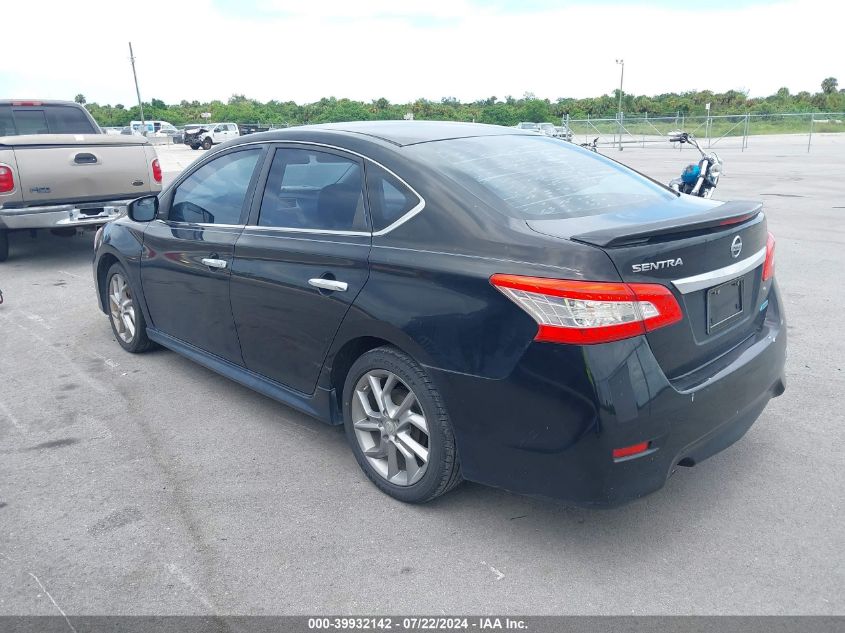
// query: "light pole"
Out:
[143,129]
[621,62]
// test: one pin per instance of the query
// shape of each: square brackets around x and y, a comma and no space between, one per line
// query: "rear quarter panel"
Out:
[430,280]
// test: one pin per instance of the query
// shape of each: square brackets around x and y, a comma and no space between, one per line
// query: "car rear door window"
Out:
[389,198]
[215,193]
[312,190]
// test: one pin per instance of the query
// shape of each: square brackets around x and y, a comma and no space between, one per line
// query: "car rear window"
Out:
[44,119]
[7,123]
[30,122]
[536,177]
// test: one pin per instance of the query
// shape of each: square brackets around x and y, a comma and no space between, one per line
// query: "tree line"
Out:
[506,111]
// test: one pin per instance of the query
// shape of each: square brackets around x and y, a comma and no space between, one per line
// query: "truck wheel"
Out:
[206,144]
[195,146]
[4,245]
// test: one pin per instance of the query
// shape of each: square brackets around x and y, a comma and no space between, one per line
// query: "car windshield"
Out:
[538,177]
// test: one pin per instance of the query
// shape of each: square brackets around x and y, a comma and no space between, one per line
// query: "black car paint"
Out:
[531,417]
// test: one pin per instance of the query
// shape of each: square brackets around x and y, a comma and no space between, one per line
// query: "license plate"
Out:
[724,304]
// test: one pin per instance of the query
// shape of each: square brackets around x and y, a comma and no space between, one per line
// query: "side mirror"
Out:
[143,209]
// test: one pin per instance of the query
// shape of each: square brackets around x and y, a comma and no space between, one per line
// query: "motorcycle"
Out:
[591,146]
[698,179]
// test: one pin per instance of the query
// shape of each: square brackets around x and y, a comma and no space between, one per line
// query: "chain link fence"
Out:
[731,130]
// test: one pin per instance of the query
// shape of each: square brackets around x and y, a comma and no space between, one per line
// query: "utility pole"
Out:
[621,62]
[137,91]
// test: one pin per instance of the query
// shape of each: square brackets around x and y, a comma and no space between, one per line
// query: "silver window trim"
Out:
[397,223]
[715,277]
[283,229]
[205,225]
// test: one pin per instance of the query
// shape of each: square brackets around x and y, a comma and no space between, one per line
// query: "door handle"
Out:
[214,263]
[328,284]
[85,158]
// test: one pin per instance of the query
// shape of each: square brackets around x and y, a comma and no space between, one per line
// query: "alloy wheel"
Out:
[390,427]
[122,308]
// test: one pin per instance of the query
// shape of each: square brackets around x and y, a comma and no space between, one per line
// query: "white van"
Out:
[153,127]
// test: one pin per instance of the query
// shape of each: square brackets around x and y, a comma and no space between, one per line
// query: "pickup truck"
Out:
[59,170]
[210,134]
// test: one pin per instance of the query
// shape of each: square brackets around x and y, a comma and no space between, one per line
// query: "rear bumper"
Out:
[550,427]
[63,215]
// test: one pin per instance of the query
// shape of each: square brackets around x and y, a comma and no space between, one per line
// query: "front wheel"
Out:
[195,146]
[127,320]
[398,427]
[4,245]
[206,144]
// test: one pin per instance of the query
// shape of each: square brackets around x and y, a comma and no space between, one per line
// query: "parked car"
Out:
[206,136]
[469,301]
[527,125]
[192,135]
[547,128]
[251,129]
[59,171]
[175,135]
[562,131]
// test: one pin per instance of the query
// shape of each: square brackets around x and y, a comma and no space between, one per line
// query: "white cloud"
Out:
[299,51]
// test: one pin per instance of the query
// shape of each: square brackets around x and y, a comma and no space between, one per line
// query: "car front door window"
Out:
[215,193]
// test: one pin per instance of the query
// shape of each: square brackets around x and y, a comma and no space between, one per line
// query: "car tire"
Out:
[4,245]
[404,443]
[206,143]
[125,315]
[195,146]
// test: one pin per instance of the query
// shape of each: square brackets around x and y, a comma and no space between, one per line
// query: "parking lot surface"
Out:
[146,484]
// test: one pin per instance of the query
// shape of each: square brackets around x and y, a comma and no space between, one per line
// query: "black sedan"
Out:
[471,302]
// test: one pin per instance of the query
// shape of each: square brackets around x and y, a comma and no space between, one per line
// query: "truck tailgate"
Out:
[62,168]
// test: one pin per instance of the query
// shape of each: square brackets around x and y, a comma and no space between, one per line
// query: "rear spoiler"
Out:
[734,212]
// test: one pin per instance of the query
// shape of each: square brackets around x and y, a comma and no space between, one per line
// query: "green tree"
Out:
[509,111]
[80,98]
[829,85]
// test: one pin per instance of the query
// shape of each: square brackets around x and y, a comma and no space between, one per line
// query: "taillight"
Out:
[589,312]
[769,265]
[156,170]
[7,179]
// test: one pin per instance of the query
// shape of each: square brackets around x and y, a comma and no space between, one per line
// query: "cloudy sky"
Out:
[302,50]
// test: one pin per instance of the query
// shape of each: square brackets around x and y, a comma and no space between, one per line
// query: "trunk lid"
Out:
[709,254]
[61,168]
